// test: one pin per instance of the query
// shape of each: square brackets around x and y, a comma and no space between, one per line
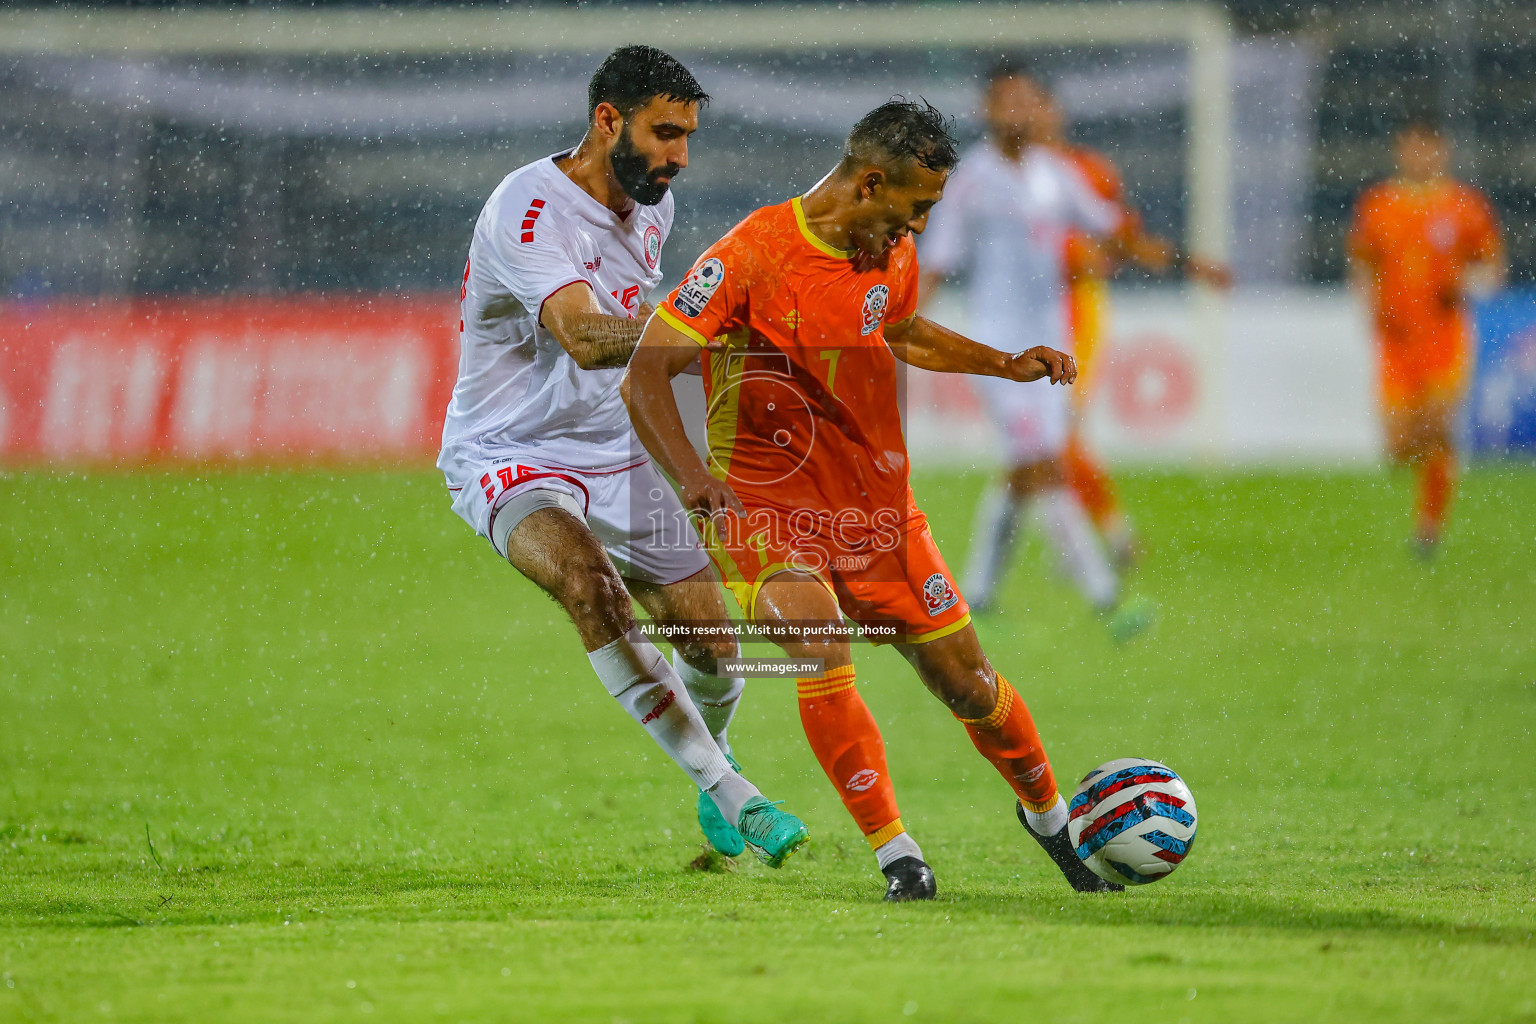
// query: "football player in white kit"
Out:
[538,450]
[1004,222]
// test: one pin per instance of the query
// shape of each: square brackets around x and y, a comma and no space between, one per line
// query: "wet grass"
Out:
[292,746]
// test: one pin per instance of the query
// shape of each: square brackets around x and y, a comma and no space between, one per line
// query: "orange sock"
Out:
[847,742]
[1008,739]
[1437,484]
[1088,477]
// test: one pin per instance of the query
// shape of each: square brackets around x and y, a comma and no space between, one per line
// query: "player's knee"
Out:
[706,655]
[594,594]
[971,693]
[962,679]
[1026,479]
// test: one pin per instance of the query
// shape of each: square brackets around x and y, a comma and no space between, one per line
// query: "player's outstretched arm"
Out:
[593,338]
[662,354]
[919,341]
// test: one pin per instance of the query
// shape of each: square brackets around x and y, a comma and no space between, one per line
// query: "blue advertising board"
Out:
[1503,412]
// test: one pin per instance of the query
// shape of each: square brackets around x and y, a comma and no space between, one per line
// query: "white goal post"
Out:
[1202,28]
[1199,27]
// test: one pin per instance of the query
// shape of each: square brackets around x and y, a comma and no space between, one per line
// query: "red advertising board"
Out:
[333,378]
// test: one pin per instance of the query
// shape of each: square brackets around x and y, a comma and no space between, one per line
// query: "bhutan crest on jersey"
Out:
[874,308]
[938,595]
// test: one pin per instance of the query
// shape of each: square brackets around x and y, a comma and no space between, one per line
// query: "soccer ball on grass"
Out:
[1132,820]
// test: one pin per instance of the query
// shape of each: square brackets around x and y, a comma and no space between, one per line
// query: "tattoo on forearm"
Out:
[604,341]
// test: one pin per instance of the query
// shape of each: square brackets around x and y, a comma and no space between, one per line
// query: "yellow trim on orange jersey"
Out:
[772,571]
[673,319]
[725,370]
[1090,318]
[879,838]
[810,236]
[938,634]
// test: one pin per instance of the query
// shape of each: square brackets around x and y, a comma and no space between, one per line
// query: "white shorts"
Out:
[632,511]
[1033,418]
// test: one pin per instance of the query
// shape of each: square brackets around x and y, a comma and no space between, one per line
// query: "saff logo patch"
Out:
[938,595]
[874,308]
[696,292]
[652,246]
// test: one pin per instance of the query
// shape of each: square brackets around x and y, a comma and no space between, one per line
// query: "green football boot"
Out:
[722,835]
[773,834]
[1131,618]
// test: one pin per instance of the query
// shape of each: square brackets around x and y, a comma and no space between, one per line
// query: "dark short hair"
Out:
[900,130]
[632,76]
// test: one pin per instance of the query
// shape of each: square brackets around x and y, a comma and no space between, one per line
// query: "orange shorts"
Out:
[886,576]
[1420,371]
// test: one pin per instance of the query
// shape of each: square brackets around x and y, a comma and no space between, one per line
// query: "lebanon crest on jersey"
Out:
[874,308]
[652,246]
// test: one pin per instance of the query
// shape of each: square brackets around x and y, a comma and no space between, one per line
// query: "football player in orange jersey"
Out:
[807,509]
[1421,244]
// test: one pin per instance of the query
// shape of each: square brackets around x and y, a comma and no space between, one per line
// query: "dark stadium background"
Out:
[225,208]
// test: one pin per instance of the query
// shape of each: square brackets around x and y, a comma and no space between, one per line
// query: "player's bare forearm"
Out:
[597,341]
[593,338]
[662,354]
[918,341]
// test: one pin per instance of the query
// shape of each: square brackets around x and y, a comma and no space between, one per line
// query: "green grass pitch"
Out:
[295,747]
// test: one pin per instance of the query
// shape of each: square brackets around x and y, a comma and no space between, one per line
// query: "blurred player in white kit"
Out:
[538,450]
[1004,223]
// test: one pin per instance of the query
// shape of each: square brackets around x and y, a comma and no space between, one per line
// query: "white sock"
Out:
[893,850]
[1049,822]
[992,535]
[1118,535]
[731,794]
[1079,551]
[714,696]
[639,678]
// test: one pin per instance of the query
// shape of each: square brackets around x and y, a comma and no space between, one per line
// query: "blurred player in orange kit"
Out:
[1013,204]
[1421,244]
[1090,262]
[803,312]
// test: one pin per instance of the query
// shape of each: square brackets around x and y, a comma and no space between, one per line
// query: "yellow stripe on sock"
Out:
[879,838]
[1000,713]
[1041,808]
[832,681]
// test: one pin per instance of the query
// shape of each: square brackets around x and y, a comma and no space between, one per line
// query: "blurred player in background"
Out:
[811,510]
[538,450]
[1090,261]
[1420,246]
[1014,202]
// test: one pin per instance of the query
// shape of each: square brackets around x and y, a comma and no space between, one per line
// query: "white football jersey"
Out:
[518,390]
[1004,224]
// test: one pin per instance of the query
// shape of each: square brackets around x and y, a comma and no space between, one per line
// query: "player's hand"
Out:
[1037,362]
[704,494]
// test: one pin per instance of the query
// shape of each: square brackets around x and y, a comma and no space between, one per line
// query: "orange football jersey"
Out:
[804,400]
[1417,240]
[1085,253]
